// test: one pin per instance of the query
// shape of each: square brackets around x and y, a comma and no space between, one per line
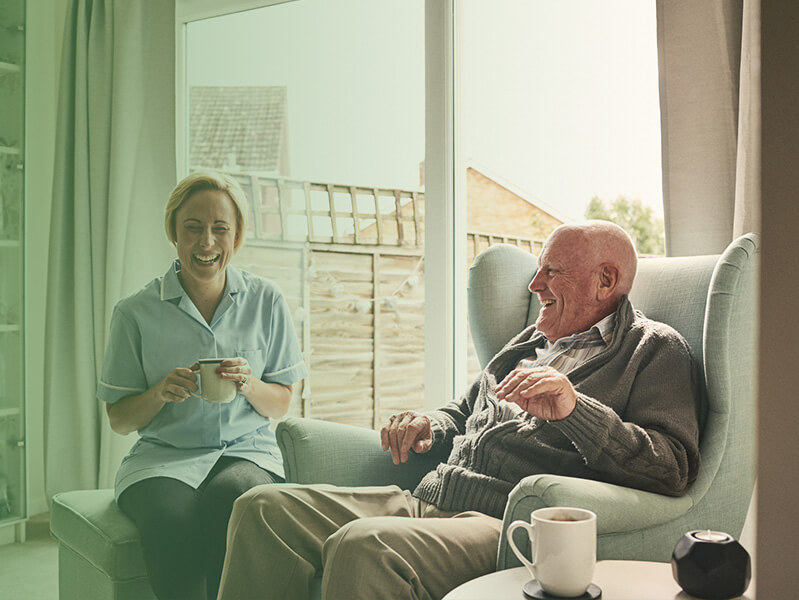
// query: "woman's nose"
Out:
[207,238]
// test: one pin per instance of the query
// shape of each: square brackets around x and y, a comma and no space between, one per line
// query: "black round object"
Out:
[533,589]
[715,569]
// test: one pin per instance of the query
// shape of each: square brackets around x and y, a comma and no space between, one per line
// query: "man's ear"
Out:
[608,280]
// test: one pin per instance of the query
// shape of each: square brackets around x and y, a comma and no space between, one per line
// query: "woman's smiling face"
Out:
[205,227]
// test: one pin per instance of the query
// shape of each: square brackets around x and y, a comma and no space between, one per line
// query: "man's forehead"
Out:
[563,247]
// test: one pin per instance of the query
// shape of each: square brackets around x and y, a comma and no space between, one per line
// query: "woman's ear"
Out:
[608,280]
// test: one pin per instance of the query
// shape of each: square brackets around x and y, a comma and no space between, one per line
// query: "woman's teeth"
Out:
[206,260]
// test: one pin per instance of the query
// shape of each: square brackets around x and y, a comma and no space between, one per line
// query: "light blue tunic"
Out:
[157,329]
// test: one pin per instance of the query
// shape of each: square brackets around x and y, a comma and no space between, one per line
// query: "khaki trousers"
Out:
[370,543]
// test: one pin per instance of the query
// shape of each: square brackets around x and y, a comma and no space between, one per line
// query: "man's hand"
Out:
[543,392]
[404,431]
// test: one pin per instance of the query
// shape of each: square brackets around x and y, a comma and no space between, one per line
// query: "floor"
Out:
[29,571]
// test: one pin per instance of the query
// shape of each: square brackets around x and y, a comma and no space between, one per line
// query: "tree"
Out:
[635,218]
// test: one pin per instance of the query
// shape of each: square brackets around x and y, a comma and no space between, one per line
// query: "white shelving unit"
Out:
[13,479]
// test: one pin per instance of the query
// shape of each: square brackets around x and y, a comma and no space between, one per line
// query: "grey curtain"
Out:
[114,167]
[709,66]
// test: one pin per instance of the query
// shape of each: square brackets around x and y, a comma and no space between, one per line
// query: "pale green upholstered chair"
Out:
[709,299]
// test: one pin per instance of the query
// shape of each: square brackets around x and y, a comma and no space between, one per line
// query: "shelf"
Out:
[8,68]
[9,412]
[8,328]
[9,243]
[9,150]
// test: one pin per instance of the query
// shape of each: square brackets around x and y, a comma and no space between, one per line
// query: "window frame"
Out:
[445,221]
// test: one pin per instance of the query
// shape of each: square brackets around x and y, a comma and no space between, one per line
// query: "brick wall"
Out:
[495,209]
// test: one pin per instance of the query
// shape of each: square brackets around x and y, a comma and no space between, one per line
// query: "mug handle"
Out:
[197,373]
[531,533]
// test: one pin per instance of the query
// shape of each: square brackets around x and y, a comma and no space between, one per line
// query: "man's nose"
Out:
[536,284]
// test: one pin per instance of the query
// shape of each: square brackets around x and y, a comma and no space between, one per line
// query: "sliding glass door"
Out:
[317,107]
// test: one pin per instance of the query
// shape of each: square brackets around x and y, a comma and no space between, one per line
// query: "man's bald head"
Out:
[604,242]
[584,270]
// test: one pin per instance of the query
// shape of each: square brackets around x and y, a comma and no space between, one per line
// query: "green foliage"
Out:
[635,218]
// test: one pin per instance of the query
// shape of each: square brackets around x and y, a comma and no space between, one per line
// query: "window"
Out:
[318,109]
[558,120]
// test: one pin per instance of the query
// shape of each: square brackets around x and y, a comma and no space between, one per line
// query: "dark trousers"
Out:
[183,531]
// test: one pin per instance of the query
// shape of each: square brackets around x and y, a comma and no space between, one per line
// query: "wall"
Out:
[777,522]
[493,208]
[45,24]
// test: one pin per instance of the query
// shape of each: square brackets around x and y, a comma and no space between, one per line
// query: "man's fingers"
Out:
[516,378]
[401,433]
[542,386]
[411,433]
[422,445]
[384,437]
[509,382]
[405,435]
[393,443]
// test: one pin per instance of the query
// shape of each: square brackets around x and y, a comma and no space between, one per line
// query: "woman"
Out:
[194,458]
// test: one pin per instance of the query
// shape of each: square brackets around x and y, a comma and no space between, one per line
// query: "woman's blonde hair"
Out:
[206,180]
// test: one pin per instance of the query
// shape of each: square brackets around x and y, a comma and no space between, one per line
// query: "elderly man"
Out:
[593,389]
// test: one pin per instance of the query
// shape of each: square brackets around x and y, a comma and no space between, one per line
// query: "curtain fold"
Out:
[709,64]
[114,168]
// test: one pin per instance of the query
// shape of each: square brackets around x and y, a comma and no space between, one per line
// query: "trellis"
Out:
[353,274]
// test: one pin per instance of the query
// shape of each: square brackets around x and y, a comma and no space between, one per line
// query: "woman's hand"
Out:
[268,399]
[178,385]
[238,370]
[135,412]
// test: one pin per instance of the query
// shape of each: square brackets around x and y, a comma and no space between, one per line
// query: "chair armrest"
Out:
[323,452]
[619,509]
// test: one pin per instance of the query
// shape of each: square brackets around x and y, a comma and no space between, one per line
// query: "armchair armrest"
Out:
[619,509]
[324,452]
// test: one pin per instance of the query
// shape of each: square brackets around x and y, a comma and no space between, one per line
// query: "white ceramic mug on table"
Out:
[563,543]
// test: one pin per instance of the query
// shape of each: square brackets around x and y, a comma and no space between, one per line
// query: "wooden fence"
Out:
[350,261]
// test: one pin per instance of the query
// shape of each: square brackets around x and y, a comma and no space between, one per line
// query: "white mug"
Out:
[563,542]
[213,388]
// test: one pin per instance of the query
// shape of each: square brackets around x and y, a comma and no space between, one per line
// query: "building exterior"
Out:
[496,206]
[241,128]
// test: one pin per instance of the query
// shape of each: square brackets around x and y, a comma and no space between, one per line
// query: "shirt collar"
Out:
[602,328]
[605,327]
[171,288]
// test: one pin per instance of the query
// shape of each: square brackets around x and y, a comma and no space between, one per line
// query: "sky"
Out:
[559,97]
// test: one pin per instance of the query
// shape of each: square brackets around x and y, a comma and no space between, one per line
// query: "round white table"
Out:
[618,580]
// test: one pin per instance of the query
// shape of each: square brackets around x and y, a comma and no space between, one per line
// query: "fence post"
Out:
[376,324]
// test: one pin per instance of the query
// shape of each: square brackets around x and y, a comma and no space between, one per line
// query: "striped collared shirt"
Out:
[565,355]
